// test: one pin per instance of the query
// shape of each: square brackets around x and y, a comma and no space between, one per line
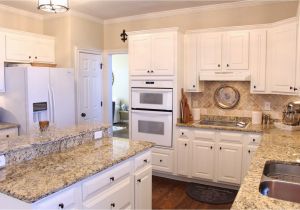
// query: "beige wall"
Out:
[204,19]
[16,21]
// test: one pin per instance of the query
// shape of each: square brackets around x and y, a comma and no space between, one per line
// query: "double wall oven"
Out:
[152,113]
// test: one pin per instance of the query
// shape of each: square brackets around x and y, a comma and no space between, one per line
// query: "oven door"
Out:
[151,98]
[152,126]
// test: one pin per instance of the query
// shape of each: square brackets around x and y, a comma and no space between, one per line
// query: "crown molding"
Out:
[192,10]
[21,12]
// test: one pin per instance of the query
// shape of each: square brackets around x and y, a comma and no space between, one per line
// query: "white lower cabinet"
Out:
[127,185]
[162,160]
[211,155]
[143,188]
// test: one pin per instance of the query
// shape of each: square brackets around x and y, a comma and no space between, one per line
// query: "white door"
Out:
[89,88]
[249,153]
[163,54]
[139,52]
[203,160]
[258,57]
[229,163]
[282,45]
[190,63]
[143,189]
[236,50]
[44,50]
[210,48]
[183,156]
[19,48]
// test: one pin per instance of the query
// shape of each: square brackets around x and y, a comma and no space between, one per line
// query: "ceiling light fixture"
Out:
[53,6]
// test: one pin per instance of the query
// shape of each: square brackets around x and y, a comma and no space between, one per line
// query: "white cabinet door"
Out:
[203,160]
[248,154]
[183,156]
[143,188]
[116,197]
[140,55]
[2,59]
[210,48]
[19,48]
[236,50]
[258,57]
[44,50]
[163,54]
[281,67]
[229,163]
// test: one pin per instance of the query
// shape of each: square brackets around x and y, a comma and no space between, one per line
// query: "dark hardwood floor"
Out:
[170,194]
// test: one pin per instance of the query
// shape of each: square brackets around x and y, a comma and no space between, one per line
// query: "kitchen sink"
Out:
[281,181]
[235,124]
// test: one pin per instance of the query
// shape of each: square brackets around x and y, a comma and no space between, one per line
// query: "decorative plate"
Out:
[227,97]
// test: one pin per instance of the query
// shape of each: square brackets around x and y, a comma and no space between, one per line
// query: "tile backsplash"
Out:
[248,102]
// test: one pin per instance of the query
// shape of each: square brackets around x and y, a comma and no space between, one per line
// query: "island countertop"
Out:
[278,145]
[35,179]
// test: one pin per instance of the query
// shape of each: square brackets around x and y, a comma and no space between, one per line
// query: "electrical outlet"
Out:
[195,103]
[2,161]
[98,135]
[267,106]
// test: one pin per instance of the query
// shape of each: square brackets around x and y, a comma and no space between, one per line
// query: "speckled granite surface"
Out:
[32,180]
[27,147]
[276,145]
[4,125]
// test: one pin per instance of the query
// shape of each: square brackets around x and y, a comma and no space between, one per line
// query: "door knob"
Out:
[83,114]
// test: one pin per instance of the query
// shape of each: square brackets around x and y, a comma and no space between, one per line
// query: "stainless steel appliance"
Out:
[291,114]
[152,113]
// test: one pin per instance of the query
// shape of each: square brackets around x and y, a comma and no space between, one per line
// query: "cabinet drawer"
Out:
[66,199]
[254,139]
[108,178]
[10,132]
[117,197]
[184,133]
[142,160]
[162,160]
[231,137]
[204,135]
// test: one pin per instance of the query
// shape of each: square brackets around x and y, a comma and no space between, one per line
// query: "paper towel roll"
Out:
[196,114]
[256,117]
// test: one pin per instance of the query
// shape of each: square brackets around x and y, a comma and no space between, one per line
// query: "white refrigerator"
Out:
[38,93]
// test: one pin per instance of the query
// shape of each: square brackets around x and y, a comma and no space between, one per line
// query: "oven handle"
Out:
[152,90]
[151,112]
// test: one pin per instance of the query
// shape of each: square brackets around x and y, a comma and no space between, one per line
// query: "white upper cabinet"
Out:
[191,77]
[236,50]
[281,60]
[24,48]
[153,54]
[258,56]
[210,51]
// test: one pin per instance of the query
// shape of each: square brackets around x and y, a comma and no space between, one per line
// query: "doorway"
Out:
[120,95]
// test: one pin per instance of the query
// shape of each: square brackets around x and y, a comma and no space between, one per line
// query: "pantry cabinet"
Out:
[153,54]
[23,48]
[281,60]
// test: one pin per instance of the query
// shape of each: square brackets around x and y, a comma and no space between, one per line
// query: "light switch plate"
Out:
[267,106]
[98,134]
[2,161]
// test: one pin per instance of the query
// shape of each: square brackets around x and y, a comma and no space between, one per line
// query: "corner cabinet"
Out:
[153,53]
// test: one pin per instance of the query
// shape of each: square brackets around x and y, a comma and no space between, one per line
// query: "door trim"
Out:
[77,51]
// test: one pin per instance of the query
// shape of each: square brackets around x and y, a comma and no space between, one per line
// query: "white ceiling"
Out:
[108,9]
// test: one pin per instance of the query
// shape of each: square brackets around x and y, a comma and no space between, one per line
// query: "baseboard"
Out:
[187,179]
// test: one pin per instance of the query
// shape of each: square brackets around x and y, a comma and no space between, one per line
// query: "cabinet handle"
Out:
[139,180]
[146,161]
[220,148]
[185,144]
[194,86]
[227,65]
[182,133]
[249,151]
[253,140]
[254,86]
[152,71]
[148,71]
[295,89]
[211,147]
[160,161]
[112,179]
[61,206]
[219,65]
[35,57]
[291,88]
[113,205]
[7,136]
[29,57]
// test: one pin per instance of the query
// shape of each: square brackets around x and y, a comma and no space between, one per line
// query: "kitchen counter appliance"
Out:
[291,114]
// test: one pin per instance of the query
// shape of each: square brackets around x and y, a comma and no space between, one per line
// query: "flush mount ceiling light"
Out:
[53,6]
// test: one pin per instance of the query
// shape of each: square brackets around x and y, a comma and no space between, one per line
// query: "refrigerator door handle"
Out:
[50,105]
[53,104]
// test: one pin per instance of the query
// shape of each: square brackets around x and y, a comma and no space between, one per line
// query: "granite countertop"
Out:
[276,145]
[5,125]
[32,180]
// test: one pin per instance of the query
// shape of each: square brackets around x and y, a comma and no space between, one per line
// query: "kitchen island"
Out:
[76,176]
